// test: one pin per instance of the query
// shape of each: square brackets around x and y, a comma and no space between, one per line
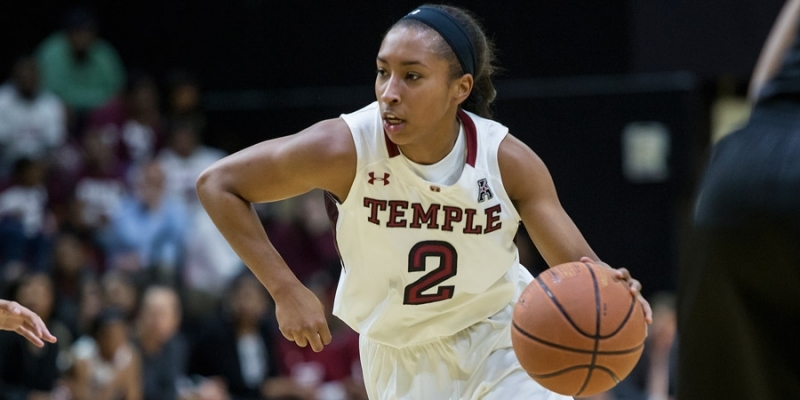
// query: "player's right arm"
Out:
[320,157]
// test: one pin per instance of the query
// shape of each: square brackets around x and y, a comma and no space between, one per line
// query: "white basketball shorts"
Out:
[475,363]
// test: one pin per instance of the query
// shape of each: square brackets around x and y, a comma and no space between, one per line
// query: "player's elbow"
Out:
[210,184]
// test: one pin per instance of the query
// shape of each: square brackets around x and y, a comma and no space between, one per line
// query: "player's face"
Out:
[418,98]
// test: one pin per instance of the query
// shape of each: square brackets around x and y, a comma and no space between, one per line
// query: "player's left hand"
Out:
[634,285]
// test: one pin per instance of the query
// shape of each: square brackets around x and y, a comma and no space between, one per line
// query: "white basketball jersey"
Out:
[422,260]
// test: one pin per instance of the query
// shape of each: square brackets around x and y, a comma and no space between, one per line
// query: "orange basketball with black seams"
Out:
[578,330]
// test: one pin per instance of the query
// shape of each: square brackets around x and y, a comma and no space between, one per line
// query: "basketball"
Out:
[577,330]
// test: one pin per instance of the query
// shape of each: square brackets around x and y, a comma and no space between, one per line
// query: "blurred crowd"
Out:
[102,235]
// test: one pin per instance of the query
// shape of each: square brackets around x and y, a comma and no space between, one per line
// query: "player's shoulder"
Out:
[330,137]
[518,162]
[363,120]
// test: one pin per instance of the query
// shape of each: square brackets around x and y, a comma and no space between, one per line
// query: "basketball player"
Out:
[16,318]
[739,299]
[425,194]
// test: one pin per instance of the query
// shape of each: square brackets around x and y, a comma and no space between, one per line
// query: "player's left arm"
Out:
[530,187]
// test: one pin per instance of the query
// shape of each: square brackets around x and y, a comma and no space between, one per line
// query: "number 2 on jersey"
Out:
[448,260]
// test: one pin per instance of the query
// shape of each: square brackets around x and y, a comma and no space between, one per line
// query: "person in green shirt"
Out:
[82,69]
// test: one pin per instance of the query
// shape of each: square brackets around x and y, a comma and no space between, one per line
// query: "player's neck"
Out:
[438,143]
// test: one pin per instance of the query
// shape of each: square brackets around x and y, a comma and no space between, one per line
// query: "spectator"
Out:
[184,98]
[147,232]
[239,346]
[91,304]
[120,292]
[97,186]
[185,158]
[24,225]
[32,121]
[164,351]
[210,263]
[107,365]
[28,372]
[82,69]
[69,274]
[131,123]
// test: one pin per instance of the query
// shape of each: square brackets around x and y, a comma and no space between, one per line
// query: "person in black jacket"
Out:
[28,369]
[238,346]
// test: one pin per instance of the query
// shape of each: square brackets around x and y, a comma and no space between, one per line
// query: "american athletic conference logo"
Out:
[484,193]
[373,178]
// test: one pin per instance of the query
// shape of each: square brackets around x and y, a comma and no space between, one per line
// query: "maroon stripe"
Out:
[333,217]
[472,137]
[390,146]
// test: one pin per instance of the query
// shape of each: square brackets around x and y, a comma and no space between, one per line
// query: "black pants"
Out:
[739,293]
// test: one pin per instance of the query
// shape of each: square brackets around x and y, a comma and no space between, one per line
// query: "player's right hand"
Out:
[301,318]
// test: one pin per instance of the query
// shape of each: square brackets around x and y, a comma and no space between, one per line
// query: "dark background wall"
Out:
[575,73]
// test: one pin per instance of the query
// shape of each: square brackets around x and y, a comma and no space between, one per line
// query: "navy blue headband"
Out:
[453,33]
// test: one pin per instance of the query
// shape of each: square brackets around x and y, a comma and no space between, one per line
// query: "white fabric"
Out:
[102,371]
[252,359]
[182,172]
[26,203]
[210,262]
[29,128]
[476,363]
[376,273]
[100,197]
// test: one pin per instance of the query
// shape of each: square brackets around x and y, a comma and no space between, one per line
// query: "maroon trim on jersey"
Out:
[472,137]
[333,216]
[390,146]
[469,130]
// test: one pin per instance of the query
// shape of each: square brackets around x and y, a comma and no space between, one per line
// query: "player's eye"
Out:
[413,76]
[380,72]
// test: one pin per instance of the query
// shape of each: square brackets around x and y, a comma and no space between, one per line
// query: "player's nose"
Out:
[389,91]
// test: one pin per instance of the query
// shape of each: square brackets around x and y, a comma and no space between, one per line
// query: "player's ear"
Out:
[463,87]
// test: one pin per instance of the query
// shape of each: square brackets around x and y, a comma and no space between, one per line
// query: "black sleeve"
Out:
[270,333]
[10,389]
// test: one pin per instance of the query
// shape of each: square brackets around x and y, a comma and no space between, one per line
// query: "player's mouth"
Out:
[392,123]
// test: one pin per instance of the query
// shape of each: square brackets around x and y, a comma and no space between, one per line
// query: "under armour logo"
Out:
[484,193]
[373,178]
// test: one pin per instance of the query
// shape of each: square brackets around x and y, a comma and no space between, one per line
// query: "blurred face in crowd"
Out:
[36,293]
[184,98]
[184,140]
[69,256]
[92,300]
[150,184]
[249,301]
[159,317]
[144,96]
[97,147]
[120,293]
[111,337]
[26,77]
[80,41]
